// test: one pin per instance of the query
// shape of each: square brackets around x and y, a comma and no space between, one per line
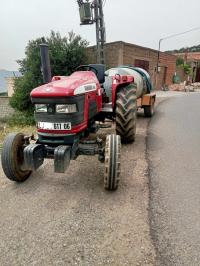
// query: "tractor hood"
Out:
[61,86]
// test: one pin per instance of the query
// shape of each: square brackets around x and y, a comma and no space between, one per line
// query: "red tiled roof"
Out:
[194,56]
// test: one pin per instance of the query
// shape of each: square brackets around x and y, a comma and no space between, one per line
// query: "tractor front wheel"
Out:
[126,113]
[12,158]
[112,162]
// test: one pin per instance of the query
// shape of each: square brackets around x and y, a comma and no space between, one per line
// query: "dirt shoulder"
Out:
[69,219]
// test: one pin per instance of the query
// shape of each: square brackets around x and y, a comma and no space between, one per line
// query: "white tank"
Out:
[138,79]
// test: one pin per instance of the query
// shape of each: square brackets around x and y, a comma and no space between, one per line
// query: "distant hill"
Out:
[195,48]
[3,75]
[3,94]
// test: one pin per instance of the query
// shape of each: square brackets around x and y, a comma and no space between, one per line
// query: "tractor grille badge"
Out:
[50,109]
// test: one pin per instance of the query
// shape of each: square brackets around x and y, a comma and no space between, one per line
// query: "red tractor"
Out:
[67,111]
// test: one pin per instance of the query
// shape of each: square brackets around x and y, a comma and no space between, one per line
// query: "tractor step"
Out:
[107,108]
[105,126]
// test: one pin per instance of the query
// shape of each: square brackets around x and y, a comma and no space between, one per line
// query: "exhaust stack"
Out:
[45,62]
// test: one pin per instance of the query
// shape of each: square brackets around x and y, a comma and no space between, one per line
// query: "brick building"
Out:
[193,58]
[10,86]
[121,53]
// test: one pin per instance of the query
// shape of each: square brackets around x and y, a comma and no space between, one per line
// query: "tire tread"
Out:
[126,113]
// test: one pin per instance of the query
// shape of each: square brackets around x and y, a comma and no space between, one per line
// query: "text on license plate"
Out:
[54,126]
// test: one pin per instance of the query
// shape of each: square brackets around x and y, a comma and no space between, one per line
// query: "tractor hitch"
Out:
[92,147]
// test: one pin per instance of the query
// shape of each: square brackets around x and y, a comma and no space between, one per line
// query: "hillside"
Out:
[4,74]
[195,48]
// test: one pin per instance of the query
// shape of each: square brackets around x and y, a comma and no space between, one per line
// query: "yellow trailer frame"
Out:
[147,102]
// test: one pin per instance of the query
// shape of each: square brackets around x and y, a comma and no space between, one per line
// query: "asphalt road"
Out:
[174,167]
[69,219]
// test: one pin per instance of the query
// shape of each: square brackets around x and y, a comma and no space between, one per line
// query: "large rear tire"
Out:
[112,162]
[12,158]
[126,113]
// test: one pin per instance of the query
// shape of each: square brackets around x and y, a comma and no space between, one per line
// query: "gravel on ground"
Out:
[69,219]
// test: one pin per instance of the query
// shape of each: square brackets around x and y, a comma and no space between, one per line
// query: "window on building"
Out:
[142,63]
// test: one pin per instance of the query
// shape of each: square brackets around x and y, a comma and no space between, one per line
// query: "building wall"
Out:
[5,109]
[193,59]
[10,86]
[189,57]
[180,73]
[119,53]
[113,53]
[134,52]
[168,61]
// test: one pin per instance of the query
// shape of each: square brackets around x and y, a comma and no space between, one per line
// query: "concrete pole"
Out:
[100,30]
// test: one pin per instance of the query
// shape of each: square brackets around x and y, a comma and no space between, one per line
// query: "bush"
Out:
[187,69]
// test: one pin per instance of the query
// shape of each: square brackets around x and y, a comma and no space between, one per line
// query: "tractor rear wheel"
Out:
[112,162]
[126,113]
[12,157]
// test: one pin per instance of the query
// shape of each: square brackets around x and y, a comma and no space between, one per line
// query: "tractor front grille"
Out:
[54,140]
[52,116]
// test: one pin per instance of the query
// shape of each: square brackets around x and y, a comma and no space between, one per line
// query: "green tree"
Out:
[179,61]
[66,53]
[187,69]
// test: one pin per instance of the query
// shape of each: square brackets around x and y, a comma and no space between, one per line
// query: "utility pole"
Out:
[100,31]
[90,13]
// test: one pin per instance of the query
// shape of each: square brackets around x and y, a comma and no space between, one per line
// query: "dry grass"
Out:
[5,130]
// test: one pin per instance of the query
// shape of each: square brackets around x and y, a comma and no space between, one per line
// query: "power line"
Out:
[181,33]
[171,36]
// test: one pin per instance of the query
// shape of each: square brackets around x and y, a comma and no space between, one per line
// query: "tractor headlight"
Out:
[66,108]
[41,108]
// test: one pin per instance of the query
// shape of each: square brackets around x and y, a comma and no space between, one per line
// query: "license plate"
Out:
[54,126]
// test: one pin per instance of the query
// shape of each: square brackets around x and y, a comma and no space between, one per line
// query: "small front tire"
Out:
[112,162]
[12,158]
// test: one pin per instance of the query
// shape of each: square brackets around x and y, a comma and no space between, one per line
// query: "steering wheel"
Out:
[87,68]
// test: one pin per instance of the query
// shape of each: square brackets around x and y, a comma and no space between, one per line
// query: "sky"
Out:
[142,22]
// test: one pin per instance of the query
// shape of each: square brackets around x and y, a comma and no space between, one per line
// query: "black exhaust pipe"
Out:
[45,62]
